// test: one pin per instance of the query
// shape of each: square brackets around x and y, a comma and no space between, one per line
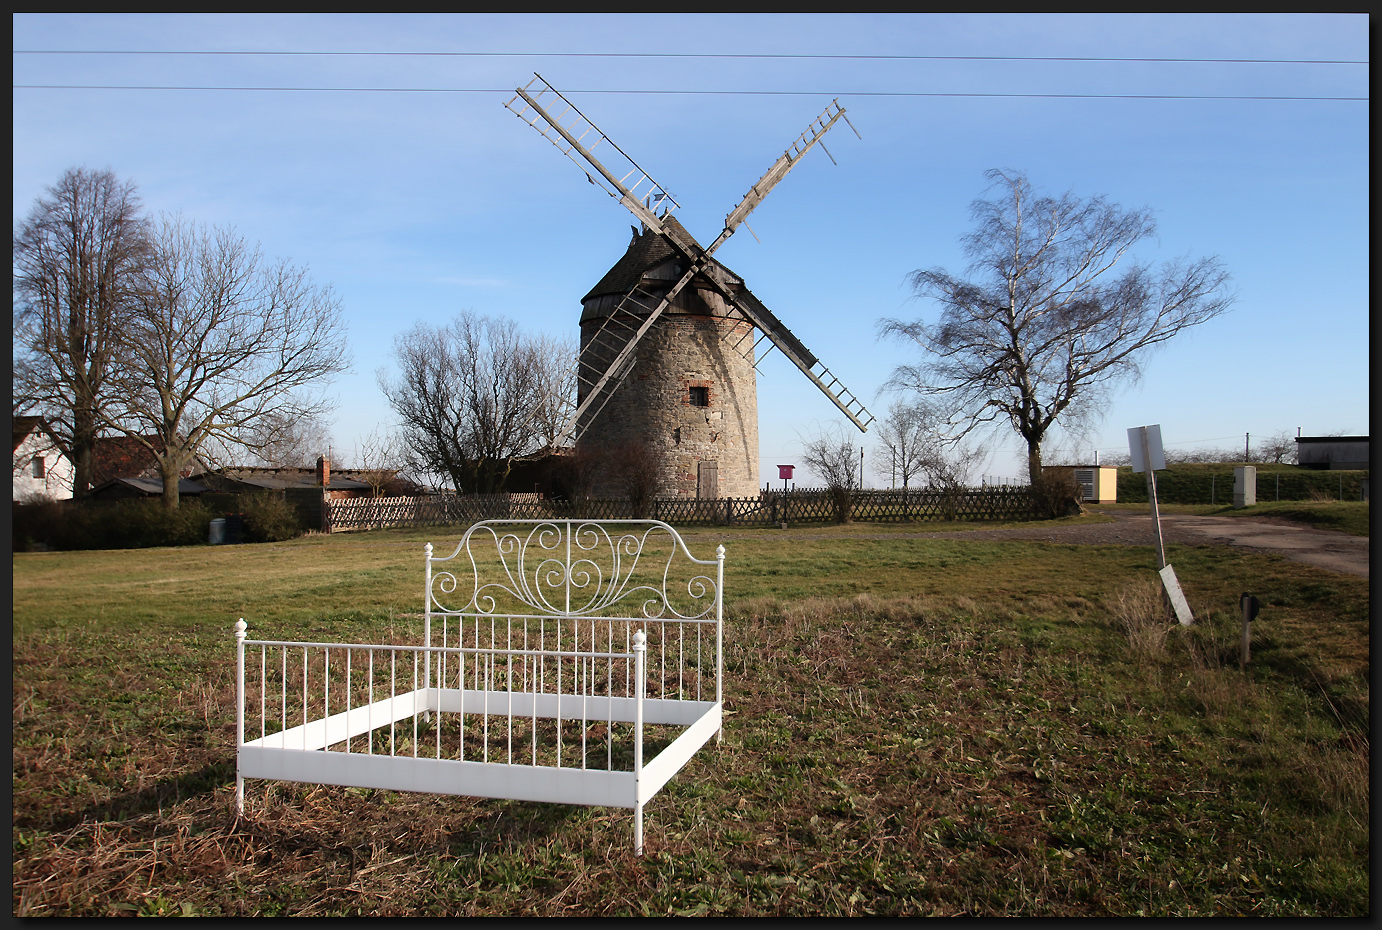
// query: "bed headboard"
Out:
[574,569]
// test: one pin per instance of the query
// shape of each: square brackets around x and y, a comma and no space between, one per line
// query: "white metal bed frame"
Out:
[569,642]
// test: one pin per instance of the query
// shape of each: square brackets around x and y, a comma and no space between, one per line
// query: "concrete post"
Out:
[1244,486]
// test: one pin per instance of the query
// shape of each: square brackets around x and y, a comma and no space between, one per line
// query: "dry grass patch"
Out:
[913,727]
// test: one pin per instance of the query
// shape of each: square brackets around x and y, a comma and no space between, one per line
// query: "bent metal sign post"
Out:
[1144,443]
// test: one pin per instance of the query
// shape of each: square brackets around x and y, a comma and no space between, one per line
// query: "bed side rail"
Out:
[556,708]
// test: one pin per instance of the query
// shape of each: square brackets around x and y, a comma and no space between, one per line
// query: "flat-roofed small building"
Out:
[1332,452]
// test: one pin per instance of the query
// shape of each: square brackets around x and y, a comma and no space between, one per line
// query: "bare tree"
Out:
[76,260]
[1278,448]
[909,441]
[573,474]
[831,455]
[953,464]
[377,460]
[923,446]
[223,348]
[292,441]
[468,397]
[639,472]
[1047,322]
[555,385]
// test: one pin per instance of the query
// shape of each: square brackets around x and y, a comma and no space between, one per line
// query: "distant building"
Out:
[127,457]
[306,489]
[127,488]
[335,485]
[41,470]
[1098,483]
[1332,452]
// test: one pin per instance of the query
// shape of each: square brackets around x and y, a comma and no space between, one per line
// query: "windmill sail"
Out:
[792,347]
[573,134]
[779,169]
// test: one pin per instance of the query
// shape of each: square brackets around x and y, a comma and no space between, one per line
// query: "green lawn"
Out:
[915,726]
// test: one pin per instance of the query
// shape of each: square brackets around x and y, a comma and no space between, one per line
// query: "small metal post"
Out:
[640,650]
[719,636]
[240,628]
[427,607]
[427,627]
[1151,496]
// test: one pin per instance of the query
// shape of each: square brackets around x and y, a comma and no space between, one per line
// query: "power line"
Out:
[698,55]
[721,93]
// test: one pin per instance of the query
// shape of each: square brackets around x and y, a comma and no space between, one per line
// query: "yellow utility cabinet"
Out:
[1099,482]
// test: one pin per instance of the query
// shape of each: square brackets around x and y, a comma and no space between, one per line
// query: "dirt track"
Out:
[1327,549]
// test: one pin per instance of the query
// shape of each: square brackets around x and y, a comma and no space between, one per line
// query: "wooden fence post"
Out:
[1251,606]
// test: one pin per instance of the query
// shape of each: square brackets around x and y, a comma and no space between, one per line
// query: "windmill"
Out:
[670,337]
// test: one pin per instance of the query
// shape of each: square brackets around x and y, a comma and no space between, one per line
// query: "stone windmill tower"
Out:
[669,336]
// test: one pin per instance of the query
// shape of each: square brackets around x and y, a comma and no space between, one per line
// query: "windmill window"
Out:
[700,397]
[38,467]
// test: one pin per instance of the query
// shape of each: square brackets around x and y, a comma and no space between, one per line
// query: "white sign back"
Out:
[1153,448]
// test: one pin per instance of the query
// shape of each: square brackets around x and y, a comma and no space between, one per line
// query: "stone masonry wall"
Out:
[654,404]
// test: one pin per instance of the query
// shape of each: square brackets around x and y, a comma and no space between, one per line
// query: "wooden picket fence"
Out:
[768,509]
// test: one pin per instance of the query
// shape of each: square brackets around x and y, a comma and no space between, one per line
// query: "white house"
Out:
[40,468]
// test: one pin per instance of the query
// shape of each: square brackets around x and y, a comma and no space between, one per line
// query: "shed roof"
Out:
[153,486]
[276,479]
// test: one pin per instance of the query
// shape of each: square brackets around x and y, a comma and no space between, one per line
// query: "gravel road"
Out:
[1338,552]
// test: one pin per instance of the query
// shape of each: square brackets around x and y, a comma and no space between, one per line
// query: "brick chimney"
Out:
[323,471]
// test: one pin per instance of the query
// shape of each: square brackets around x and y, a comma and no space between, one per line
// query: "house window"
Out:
[39,469]
[700,397]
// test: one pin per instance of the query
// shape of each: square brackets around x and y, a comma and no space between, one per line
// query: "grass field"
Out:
[915,726]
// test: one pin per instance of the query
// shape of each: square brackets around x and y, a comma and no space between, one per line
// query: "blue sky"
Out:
[415,204]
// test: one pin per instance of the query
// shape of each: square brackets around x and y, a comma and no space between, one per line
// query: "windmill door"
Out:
[708,480]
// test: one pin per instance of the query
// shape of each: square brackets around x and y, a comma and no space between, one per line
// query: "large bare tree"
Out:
[76,259]
[468,396]
[224,350]
[1047,326]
